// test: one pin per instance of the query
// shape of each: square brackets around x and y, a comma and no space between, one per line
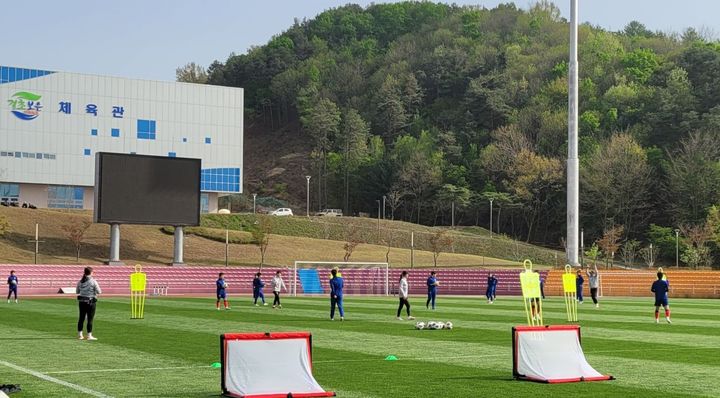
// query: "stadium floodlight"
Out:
[312,277]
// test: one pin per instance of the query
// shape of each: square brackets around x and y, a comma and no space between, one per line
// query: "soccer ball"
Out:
[420,325]
[434,325]
[13,282]
[441,325]
[225,285]
[448,325]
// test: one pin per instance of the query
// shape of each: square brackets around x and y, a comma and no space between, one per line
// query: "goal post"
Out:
[312,277]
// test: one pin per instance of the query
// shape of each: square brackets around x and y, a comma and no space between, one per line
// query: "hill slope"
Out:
[293,239]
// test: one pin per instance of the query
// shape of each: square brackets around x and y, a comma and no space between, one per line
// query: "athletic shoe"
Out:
[257,305]
[342,318]
[227,308]
[332,319]
[217,308]
[668,320]
[91,337]
[274,306]
[492,302]
[597,305]
[657,320]
[280,306]
[80,336]
[265,303]
[410,318]
[16,301]
[580,302]
[399,318]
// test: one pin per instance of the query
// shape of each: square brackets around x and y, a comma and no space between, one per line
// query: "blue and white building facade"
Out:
[53,123]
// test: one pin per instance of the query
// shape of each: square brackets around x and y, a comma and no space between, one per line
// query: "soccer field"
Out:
[168,354]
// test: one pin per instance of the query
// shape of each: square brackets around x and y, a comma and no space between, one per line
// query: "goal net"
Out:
[551,354]
[268,365]
[313,277]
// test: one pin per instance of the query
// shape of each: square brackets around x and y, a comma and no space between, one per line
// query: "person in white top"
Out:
[403,294]
[278,285]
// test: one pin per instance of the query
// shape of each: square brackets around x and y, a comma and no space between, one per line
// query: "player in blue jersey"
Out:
[579,280]
[432,284]
[491,286]
[12,282]
[220,286]
[336,294]
[258,286]
[661,288]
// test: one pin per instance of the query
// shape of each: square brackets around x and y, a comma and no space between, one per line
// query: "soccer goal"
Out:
[313,277]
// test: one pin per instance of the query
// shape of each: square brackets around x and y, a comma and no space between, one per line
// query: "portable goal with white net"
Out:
[313,277]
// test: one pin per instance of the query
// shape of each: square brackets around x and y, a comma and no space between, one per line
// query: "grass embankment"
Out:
[205,244]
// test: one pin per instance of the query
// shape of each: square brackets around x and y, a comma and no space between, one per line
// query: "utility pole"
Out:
[36,241]
[677,248]
[254,198]
[491,201]
[307,203]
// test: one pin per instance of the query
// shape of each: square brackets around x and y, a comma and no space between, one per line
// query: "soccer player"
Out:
[336,294]
[220,286]
[87,290]
[12,282]
[491,286]
[661,287]
[278,285]
[432,284]
[258,286]
[579,280]
[542,285]
[403,295]
[594,282]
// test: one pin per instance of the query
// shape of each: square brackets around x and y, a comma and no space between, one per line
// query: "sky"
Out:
[149,39]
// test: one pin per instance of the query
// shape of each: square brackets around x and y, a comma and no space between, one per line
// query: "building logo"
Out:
[25,105]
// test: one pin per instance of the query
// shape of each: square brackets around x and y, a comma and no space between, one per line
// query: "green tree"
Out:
[191,73]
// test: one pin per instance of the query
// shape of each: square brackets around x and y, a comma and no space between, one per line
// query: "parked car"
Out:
[330,213]
[283,211]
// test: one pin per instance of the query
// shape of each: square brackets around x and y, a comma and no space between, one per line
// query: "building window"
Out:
[172,154]
[65,197]
[86,152]
[204,203]
[220,180]
[208,140]
[145,129]
[39,156]
[9,191]
[184,139]
[115,132]
[93,132]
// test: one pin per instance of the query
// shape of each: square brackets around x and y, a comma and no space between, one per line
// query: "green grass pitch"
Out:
[168,354]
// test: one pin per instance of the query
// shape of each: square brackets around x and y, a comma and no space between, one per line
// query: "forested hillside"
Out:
[429,104]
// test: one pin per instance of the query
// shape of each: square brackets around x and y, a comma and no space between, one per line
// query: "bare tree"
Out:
[75,232]
[395,199]
[352,240]
[387,239]
[191,73]
[649,255]
[610,242]
[261,237]
[439,241]
[629,251]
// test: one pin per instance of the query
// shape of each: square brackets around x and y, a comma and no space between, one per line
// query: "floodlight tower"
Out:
[573,165]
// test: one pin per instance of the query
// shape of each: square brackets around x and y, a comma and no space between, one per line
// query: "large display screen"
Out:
[140,189]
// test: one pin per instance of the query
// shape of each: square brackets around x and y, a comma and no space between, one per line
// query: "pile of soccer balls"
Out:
[433,325]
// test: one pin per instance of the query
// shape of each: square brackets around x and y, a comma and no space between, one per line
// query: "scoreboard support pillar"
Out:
[178,250]
[115,245]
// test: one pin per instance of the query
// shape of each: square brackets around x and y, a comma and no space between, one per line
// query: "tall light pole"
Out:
[254,201]
[384,198]
[307,203]
[573,164]
[677,248]
[378,202]
[491,200]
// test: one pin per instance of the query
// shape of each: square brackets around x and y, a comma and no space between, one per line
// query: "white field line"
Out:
[54,380]
[122,370]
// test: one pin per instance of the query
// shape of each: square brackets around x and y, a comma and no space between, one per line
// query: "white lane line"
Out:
[54,380]
[121,370]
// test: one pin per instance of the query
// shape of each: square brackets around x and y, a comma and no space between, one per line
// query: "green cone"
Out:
[215,365]
[391,358]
